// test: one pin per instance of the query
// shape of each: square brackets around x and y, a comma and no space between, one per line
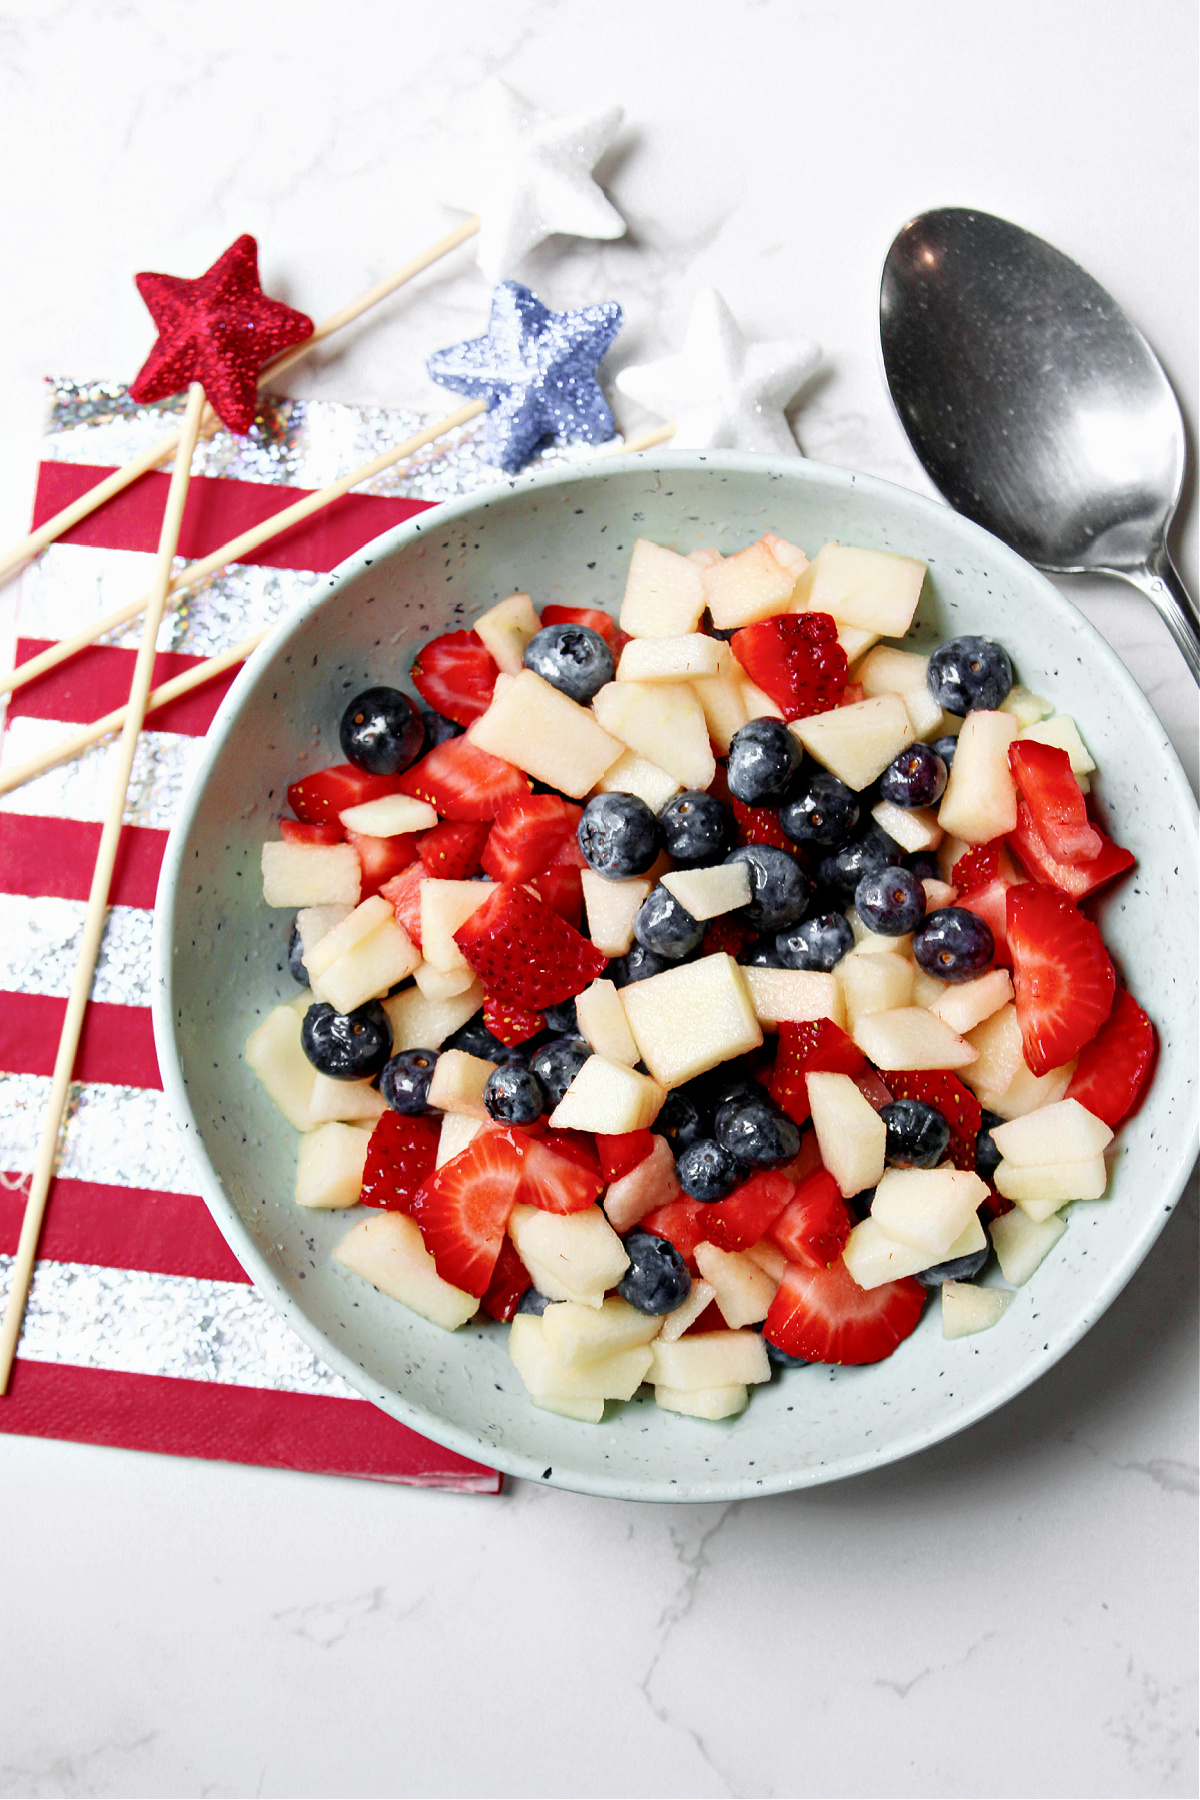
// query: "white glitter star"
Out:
[531,175]
[724,390]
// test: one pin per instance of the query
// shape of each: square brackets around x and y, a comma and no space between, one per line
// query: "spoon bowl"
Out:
[1035,406]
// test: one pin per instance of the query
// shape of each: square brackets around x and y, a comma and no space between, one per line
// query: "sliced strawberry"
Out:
[451,851]
[681,1222]
[1062,975]
[1078,880]
[1055,799]
[319,798]
[814,1227]
[511,1024]
[622,1151]
[510,1279]
[977,867]
[748,1213]
[561,1174]
[455,674]
[524,953]
[820,1046]
[874,1088]
[823,1316]
[796,659]
[382,859]
[990,903]
[561,887]
[528,833]
[711,1319]
[1115,1067]
[729,934]
[593,618]
[400,1156]
[462,781]
[295,831]
[760,825]
[463,1207]
[943,1090]
[403,894]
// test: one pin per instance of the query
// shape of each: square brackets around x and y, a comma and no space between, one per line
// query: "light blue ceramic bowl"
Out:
[566,537]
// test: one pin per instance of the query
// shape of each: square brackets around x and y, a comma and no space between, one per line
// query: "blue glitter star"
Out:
[537,371]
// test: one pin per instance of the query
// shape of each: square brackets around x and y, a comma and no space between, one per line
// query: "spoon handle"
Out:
[1159,580]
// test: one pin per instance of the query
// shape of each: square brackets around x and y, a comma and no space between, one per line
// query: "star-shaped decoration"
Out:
[724,390]
[531,176]
[537,371]
[218,330]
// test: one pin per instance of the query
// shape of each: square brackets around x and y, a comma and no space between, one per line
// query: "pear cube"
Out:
[316,922]
[707,893]
[368,968]
[633,774]
[874,982]
[302,875]
[391,815]
[744,1292]
[602,1022]
[703,1403]
[662,722]
[608,1097]
[540,730]
[584,1334]
[329,1168]
[1021,1243]
[795,996]
[964,1007]
[927,1208]
[689,1019]
[445,908]
[438,985]
[458,1083]
[722,700]
[663,593]
[346,1101]
[742,589]
[789,556]
[909,1037]
[872,1258]
[420,1022]
[967,1309]
[1063,1132]
[889,671]
[387,1250]
[1039,1189]
[458,1130]
[677,1322]
[873,589]
[757,704]
[1063,733]
[850,1134]
[506,629]
[571,1256]
[1026,708]
[273,1051]
[651,1183]
[914,828]
[611,908]
[856,743]
[980,801]
[707,1359]
[671,658]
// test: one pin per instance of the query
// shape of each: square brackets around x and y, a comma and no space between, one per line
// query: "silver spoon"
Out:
[1036,408]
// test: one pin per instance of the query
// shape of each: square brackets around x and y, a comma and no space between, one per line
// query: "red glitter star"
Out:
[219,330]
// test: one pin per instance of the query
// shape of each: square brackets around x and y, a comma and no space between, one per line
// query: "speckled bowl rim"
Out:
[243,1245]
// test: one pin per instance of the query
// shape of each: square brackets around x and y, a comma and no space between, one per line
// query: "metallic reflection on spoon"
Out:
[1035,406]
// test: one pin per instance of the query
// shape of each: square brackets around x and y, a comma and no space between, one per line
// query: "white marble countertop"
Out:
[1010,1613]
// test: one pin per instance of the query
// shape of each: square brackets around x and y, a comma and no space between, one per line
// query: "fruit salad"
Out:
[700,993]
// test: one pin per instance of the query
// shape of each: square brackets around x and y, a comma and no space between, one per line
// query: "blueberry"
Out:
[295,954]
[757,1133]
[475,1038]
[817,943]
[987,1157]
[917,777]
[381,731]
[618,835]
[638,964]
[954,945]
[779,888]
[826,812]
[697,828]
[683,1120]
[533,1302]
[871,851]
[962,1268]
[405,1081]
[514,1094]
[917,1134]
[557,1064]
[859,1205]
[346,1046]
[706,1172]
[924,865]
[661,924]
[439,729]
[969,674]
[764,760]
[562,1018]
[890,901]
[762,955]
[656,1280]
[945,747]
[572,658]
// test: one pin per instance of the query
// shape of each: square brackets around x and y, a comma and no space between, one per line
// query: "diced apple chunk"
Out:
[856,743]
[1063,733]
[329,1168]
[707,893]
[964,1007]
[651,1183]
[927,1208]
[458,1083]
[708,1359]
[928,990]
[1026,708]
[506,629]
[911,1038]
[445,908]
[873,1258]
[344,1100]
[1001,1079]
[588,1412]
[368,968]
[850,1134]
[611,907]
[389,816]
[703,1403]
[633,774]
[420,1022]
[744,1291]
[665,724]
[437,985]
[677,1322]
[769,1257]
[584,1334]
[608,1097]
[967,1308]
[724,705]
[789,556]
[571,1256]
[874,589]
[297,875]
[1039,1189]
[273,1052]
[689,1019]
[663,593]
[874,982]
[757,704]
[387,1250]
[795,996]
[538,729]
[980,801]
[602,1022]
[671,658]
[356,925]
[316,922]
[889,671]
[938,894]
[914,828]
[742,589]
[1021,1244]
[458,1130]
[1063,1132]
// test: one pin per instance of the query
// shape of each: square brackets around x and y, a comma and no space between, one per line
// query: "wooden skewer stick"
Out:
[645,440]
[97,907]
[165,448]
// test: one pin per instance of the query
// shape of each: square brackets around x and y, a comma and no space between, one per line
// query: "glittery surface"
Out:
[121,1136]
[39,943]
[537,371]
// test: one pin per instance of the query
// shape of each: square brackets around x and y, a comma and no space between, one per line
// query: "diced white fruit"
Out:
[389,816]
[757,704]
[540,730]
[458,1130]
[344,1100]
[1021,1243]
[874,983]
[1063,733]
[924,714]
[703,1403]
[571,1256]
[1001,1079]
[706,893]
[584,1334]
[588,1412]
[665,724]
[911,1038]
[967,1308]
[356,925]
[790,556]
[651,1183]
[689,1019]
[298,875]
[744,1291]
[850,1134]
[723,700]
[704,558]
[387,1250]
[1026,708]
[603,1023]
[927,989]
[872,1257]
[876,943]
[938,894]
[664,596]
[1039,1189]
[273,1052]
[964,1007]
[611,907]
[889,671]
[316,922]
[608,1097]
[458,1083]
[769,1257]
[708,1359]
[1026,1092]
[671,658]
[1064,1132]
[870,588]
[795,996]
[677,1322]
[633,774]
[948,853]
[368,968]
[440,985]
[329,1168]
[506,629]
[747,587]
[914,828]
[927,1208]
[420,1022]
[856,743]
[445,907]
[980,801]
[855,642]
